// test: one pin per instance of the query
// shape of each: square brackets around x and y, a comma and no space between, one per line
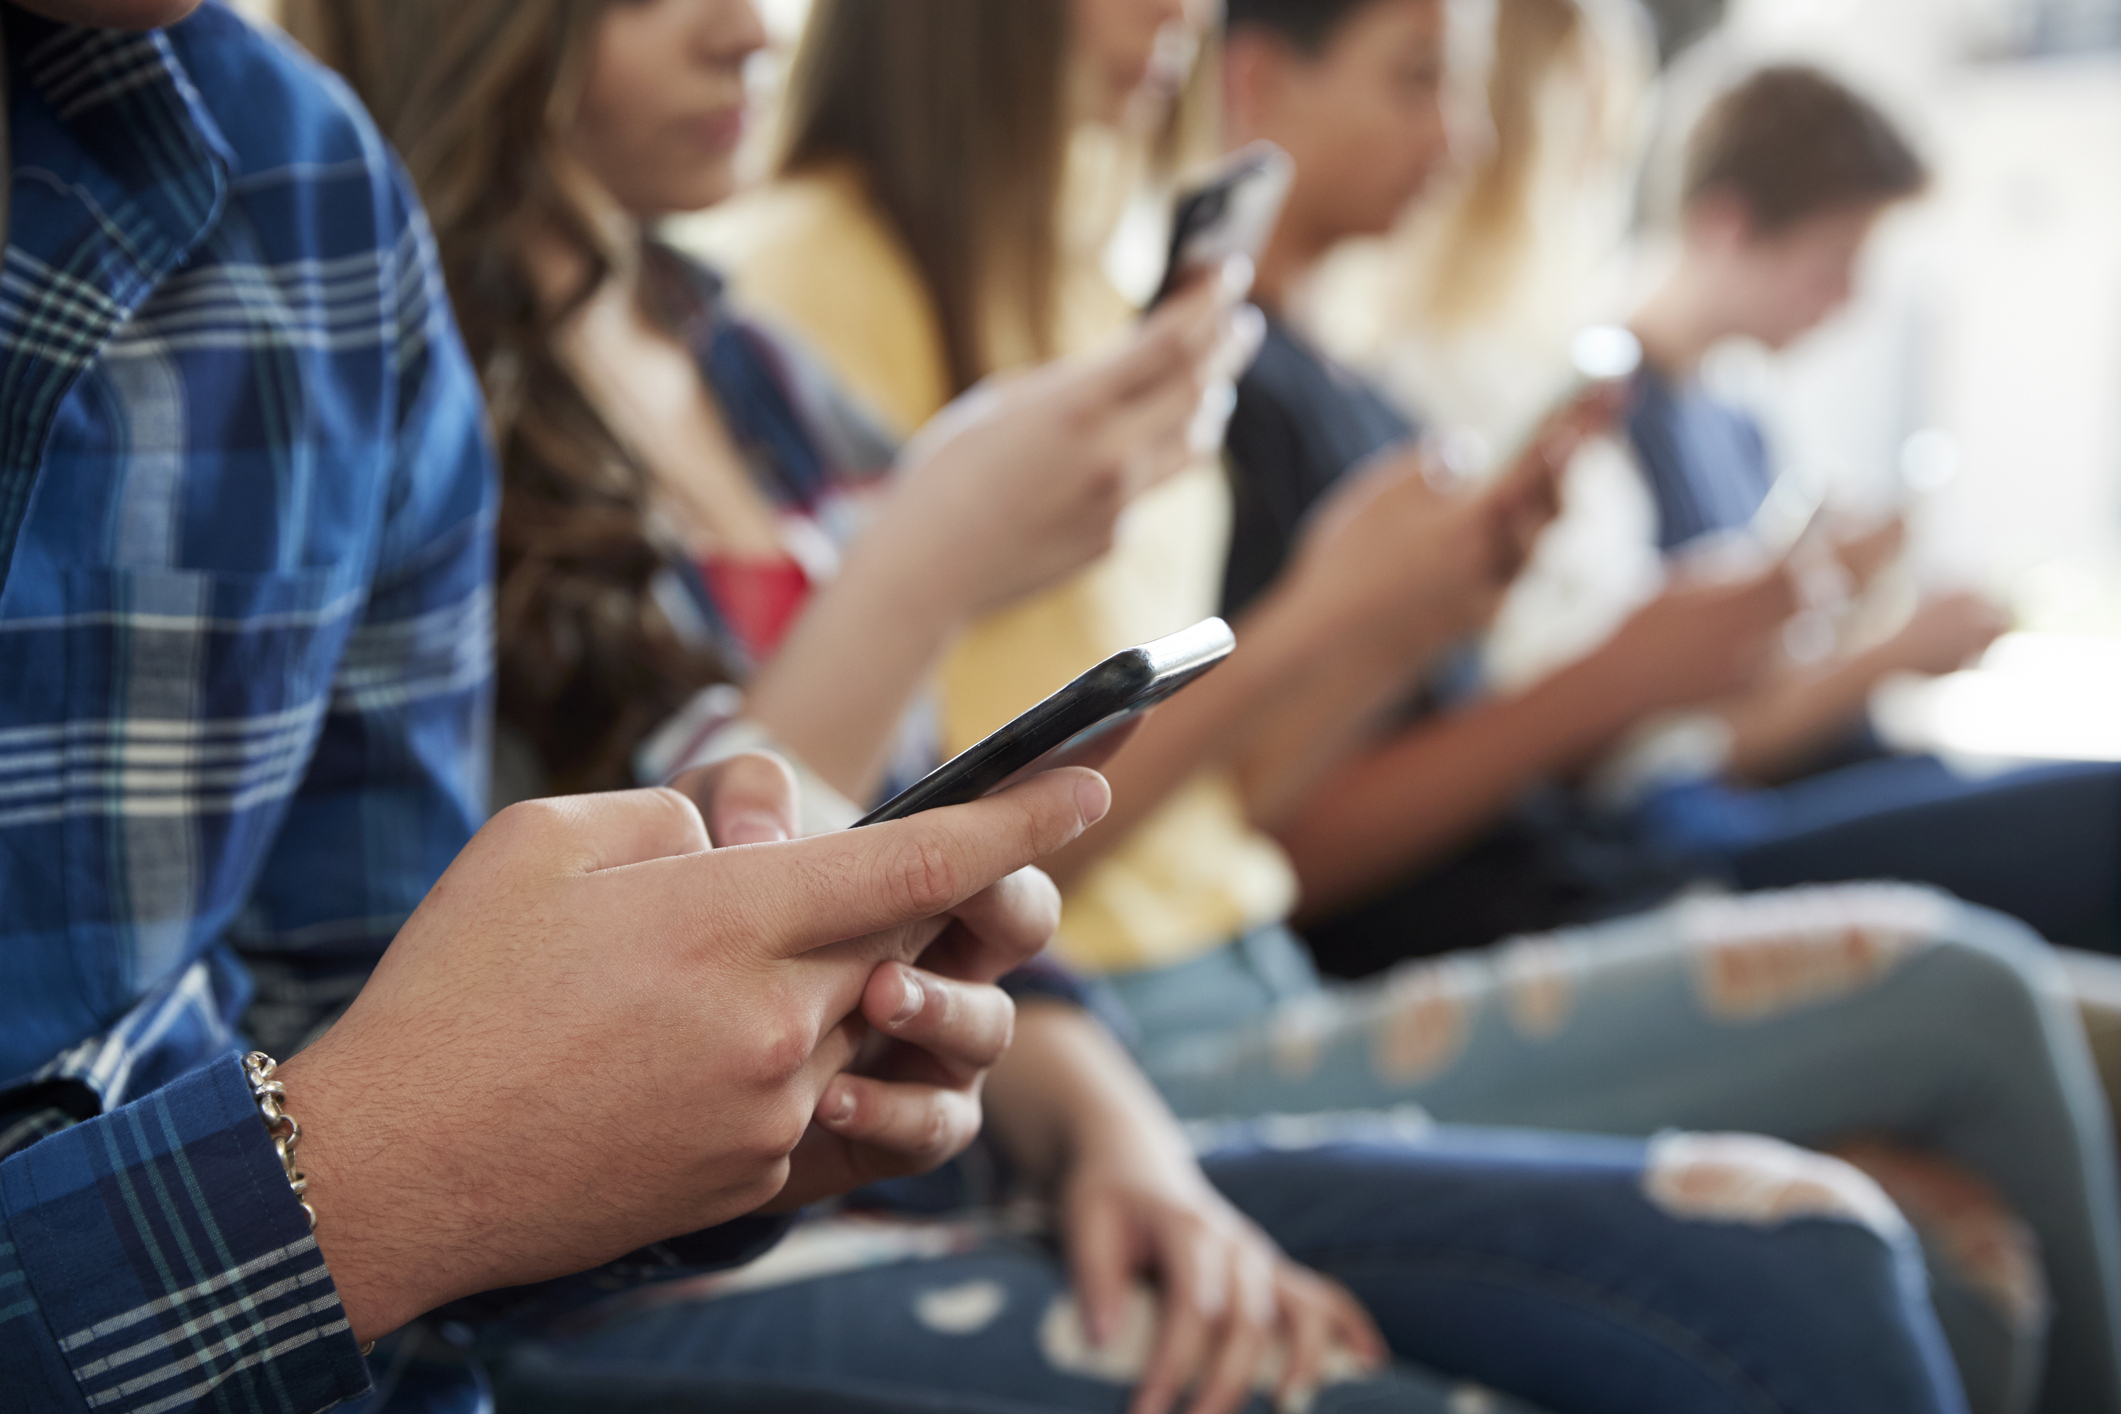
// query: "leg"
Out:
[2041,844]
[987,1329]
[1523,1261]
[1812,1016]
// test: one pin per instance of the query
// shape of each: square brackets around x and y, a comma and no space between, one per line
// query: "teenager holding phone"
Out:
[1178,898]
[244,673]
[1069,1109]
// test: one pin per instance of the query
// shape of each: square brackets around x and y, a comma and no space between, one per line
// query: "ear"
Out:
[1718,221]
[1255,75]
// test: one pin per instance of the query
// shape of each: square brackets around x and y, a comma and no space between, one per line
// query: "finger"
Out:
[919,1126]
[1244,1334]
[963,1026]
[584,834]
[998,929]
[1098,1265]
[747,799]
[1170,343]
[808,893]
[1195,1295]
[1307,1324]
[1352,1324]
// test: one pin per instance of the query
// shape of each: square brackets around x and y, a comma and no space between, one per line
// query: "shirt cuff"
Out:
[164,1262]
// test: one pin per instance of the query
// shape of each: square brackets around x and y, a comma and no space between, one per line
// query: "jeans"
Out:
[1811,1016]
[2042,844]
[1545,1265]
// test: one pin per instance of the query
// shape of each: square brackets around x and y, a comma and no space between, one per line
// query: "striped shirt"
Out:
[245,604]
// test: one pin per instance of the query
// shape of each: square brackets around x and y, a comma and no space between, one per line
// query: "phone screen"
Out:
[1233,211]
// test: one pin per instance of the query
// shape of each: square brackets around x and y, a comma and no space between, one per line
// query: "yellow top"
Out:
[813,254]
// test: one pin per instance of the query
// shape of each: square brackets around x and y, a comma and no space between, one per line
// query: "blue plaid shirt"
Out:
[245,566]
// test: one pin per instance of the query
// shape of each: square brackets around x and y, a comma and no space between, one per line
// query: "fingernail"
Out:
[1237,277]
[753,827]
[910,1004]
[1298,1400]
[836,1108]
[1093,797]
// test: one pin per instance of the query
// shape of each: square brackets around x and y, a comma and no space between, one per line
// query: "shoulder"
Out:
[294,135]
[809,253]
[275,105]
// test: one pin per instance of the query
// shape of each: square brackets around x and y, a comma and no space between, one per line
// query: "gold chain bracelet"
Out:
[260,1069]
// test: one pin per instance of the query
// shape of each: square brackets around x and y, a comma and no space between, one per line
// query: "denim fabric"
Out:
[1529,1263]
[2042,844]
[1810,1015]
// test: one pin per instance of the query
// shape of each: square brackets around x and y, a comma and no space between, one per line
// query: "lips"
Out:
[718,131]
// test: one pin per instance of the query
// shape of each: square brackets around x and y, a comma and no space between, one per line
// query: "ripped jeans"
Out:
[1814,1016]
[1586,1275]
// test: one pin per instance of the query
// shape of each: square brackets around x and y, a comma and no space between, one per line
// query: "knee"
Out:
[1761,1182]
[1758,955]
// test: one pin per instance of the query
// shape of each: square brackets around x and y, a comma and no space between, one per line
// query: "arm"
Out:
[1424,792]
[396,782]
[1388,572]
[1077,1115]
[1774,731]
[1015,486]
[1412,798]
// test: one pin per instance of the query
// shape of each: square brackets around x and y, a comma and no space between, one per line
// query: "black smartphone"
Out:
[1067,727]
[1232,211]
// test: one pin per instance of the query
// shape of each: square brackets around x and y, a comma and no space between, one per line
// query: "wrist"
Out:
[366,1224]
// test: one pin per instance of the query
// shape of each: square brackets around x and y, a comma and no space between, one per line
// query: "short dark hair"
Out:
[1305,24]
[1791,143]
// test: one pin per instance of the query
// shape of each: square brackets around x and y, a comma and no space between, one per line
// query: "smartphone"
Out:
[1791,510]
[1232,211]
[1067,728]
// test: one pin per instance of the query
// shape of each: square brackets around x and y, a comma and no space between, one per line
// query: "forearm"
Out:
[1312,729]
[1065,1083]
[839,687]
[1776,730]
[1427,791]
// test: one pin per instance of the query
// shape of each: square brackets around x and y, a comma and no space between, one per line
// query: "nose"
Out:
[726,32]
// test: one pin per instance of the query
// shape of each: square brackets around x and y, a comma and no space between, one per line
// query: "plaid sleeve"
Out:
[398,780]
[154,1259]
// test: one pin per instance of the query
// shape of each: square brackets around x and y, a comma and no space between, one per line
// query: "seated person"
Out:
[1786,176]
[1178,898]
[245,664]
[747,457]
[1454,830]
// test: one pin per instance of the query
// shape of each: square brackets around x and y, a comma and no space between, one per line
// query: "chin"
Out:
[113,14]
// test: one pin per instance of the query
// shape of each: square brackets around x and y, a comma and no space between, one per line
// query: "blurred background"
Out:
[1977,376]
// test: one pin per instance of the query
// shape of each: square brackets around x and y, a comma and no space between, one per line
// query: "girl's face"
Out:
[663,109]
[1131,56]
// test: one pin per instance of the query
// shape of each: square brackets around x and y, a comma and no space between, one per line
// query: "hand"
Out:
[912,1099]
[1390,552]
[1867,552]
[1946,633]
[1227,1292]
[598,1031]
[1022,481]
[1701,640]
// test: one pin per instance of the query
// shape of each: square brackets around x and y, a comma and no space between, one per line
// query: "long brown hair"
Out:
[478,96]
[954,114]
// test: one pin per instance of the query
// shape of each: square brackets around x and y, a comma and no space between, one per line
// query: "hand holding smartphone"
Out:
[1231,211]
[1081,725]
